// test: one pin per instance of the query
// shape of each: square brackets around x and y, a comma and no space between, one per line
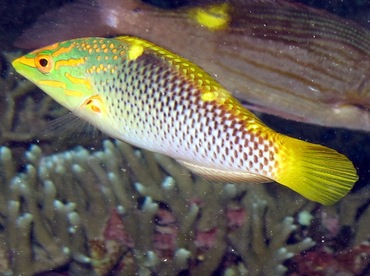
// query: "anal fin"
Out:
[215,174]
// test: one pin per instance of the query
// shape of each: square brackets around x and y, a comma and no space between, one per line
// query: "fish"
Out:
[152,98]
[277,57]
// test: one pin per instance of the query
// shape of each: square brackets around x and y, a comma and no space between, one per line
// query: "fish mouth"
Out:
[23,62]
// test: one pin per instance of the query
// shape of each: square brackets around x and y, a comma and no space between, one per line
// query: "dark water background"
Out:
[15,16]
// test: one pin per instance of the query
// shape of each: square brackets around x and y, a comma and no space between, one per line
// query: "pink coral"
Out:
[206,239]
[331,223]
[165,236]
[115,230]
[236,217]
[321,261]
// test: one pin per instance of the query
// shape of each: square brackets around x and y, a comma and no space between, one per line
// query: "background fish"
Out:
[143,94]
[280,58]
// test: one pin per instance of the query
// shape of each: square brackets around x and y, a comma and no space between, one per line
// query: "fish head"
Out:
[60,70]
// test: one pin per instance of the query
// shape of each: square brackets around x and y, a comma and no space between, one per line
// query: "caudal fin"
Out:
[318,173]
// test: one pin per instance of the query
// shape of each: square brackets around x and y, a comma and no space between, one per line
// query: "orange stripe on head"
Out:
[60,84]
[82,81]
[73,93]
[52,83]
[26,61]
[51,47]
[62,50]
[69,62]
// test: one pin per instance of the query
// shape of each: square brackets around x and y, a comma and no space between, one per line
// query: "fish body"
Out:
[143,94]
[280,58]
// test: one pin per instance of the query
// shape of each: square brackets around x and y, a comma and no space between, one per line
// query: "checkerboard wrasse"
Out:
[143,94]
[277,57]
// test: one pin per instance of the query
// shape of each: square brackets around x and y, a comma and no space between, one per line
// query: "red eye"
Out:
[44,63]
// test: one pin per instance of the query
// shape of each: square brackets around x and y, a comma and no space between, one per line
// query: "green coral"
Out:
[61,202]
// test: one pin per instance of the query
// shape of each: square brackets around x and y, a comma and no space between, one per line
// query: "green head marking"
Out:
[66,70]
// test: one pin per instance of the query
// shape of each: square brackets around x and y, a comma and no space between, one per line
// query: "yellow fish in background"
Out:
[281,58]
[145,95]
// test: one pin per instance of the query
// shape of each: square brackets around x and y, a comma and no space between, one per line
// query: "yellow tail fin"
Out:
[318,173]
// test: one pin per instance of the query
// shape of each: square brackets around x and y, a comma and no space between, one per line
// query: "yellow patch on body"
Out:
[135,50]
[215,17]
[209,96]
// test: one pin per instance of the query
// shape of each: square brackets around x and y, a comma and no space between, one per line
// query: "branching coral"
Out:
[342,239]
[23,113]
[39,229]
[134,211]
[13,127]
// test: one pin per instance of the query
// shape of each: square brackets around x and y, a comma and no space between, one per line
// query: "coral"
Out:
[343,225]
[267,240]
[121,210]
[130,211]
[29,116]
[341,236]
[354,261]
[23,112]
[12,91]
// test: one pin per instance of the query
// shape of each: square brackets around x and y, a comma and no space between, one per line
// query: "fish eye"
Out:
[44,63]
